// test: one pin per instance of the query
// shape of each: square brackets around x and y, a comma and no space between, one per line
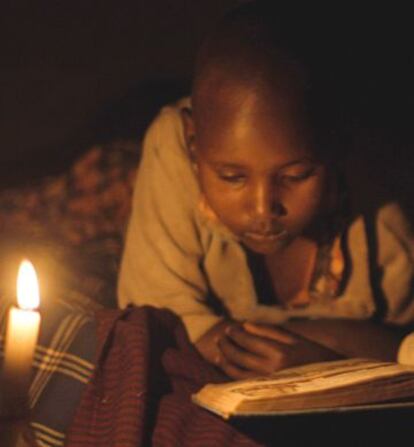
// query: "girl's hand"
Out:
[250,350]
[207,345]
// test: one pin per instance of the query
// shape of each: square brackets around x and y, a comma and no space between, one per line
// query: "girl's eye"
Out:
[232,178]
[299,177]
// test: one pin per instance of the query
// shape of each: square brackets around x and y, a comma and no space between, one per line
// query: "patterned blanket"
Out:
[147,370]
[71,227]
[63,364]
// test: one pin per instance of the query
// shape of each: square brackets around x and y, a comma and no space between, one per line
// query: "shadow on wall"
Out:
[127,117]
[130,115]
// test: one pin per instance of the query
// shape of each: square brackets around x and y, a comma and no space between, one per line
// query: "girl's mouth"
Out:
[266,237]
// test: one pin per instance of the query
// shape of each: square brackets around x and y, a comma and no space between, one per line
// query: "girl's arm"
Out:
[247,350]
[161,263]
[351,338]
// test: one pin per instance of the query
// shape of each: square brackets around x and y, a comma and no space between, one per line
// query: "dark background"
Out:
[71,69]
[75,73]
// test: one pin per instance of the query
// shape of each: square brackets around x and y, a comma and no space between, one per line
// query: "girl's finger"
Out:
[234,371]
[253,343]
[241,358]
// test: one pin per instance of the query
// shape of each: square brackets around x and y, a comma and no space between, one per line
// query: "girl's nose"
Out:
[267,202]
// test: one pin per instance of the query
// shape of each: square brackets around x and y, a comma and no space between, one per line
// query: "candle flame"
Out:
[27,286]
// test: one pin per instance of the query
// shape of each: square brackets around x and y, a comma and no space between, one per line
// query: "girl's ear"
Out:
[189,131]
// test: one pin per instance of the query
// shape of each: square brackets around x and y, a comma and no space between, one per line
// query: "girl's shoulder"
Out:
[165,135]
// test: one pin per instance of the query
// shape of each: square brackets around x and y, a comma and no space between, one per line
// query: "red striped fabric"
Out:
[140,393]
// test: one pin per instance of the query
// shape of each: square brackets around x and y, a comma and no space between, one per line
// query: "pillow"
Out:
[71,226]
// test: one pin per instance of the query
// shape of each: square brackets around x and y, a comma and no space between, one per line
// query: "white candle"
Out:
[21,337]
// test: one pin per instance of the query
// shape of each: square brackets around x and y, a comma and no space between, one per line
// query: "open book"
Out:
[328,385]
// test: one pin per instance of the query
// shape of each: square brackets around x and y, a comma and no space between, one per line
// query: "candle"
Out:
[21,335]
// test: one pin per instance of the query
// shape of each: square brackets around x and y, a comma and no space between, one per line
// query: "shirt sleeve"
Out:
[161,264]
[395,258]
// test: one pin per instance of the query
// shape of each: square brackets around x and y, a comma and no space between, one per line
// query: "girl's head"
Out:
[255,134]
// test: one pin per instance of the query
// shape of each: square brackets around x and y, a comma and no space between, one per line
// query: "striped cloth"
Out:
[140,393]
[63,364]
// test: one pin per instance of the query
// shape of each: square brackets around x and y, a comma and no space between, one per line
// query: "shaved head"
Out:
[259,50]
[248,48]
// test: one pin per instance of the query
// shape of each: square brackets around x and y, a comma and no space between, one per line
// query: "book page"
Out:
[313,378]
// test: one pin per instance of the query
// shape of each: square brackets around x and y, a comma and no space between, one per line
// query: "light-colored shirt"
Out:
[176,258]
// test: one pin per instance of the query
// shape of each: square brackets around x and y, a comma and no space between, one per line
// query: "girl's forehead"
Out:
[245,123]
[231,100]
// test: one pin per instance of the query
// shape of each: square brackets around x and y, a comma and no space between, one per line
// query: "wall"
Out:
[64,63]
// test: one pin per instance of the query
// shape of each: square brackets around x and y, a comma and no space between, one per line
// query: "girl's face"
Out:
[257,172]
